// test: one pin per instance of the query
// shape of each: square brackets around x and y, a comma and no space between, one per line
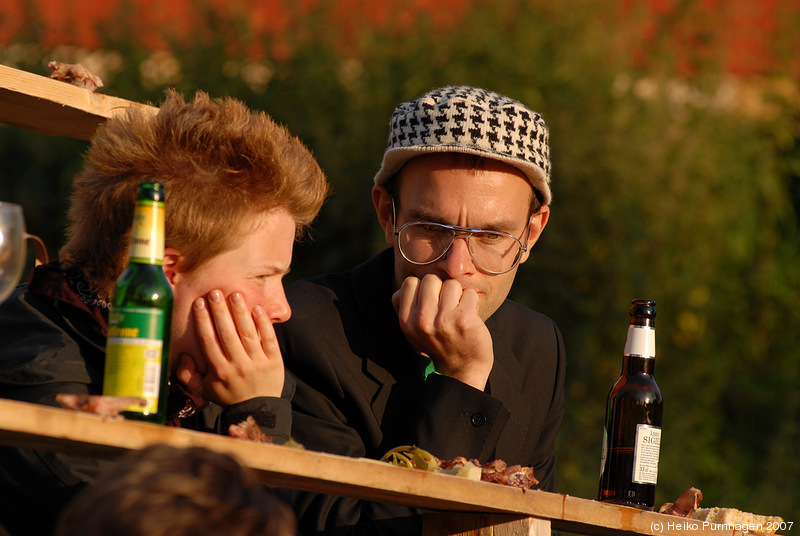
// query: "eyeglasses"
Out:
[422,242]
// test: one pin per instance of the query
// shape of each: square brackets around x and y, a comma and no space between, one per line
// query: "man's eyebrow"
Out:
[507,226]
[424,215]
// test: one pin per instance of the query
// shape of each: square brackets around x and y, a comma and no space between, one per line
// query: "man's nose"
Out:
[457,259]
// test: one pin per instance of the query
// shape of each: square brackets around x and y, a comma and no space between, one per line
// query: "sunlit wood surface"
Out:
[493,507]
[39,103]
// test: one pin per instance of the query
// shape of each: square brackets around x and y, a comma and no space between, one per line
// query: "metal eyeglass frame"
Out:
[463,232]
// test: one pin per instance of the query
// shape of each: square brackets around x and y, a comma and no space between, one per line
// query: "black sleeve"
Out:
[273,414]
[39,358]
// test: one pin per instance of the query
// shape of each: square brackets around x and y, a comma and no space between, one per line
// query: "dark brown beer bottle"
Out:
[632,433]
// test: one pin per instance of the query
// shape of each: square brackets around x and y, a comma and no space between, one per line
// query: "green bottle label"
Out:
[134,351]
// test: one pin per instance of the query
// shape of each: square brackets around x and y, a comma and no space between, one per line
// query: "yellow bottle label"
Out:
[147,239]
[134,355]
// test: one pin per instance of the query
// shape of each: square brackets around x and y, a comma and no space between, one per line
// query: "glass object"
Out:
[12,248]
[140,315]
[422,242]
[632,432]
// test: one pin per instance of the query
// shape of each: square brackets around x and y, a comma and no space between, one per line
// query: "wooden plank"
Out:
[48,428]
[53,107]
[469,524]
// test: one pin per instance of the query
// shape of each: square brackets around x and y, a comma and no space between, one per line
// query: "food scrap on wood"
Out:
[105,406]
[495,471]
[685,506]
[688,506]
[249,430]
[75,74]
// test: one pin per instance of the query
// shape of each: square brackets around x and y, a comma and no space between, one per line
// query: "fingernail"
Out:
[258,311]
[236,298]
[199,304]
[215,296]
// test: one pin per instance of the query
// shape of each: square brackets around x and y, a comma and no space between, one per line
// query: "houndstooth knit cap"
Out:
[470,120]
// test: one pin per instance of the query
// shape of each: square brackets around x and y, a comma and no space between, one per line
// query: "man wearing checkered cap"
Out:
[420,345]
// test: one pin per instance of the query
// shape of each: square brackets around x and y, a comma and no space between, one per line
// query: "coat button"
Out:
[478,419]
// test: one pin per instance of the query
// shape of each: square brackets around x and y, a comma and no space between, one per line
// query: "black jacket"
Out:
[360,392]
[52,341]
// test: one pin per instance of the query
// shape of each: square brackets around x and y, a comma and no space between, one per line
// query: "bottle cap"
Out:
[153,191]
[641,307]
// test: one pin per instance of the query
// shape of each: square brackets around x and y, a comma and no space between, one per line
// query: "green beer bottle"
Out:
[140,315]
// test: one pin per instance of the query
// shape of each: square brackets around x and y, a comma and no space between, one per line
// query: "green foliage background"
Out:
[660,191]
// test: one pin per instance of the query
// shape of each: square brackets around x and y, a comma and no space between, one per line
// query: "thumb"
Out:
[188,375]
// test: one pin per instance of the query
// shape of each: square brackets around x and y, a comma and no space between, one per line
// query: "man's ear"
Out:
[171,265]
[536,225]
[383,208]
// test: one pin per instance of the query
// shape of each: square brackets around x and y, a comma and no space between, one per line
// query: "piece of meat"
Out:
[519,477]
[459,461]
[249,430]
[75,74]
[495,466]
[496,471]
[105,406]
[686,504]
[515,475]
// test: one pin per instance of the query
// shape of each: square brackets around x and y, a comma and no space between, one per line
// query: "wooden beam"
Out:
[47,428]
[57,108]
[470,524]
